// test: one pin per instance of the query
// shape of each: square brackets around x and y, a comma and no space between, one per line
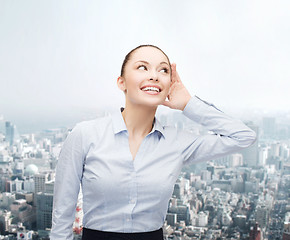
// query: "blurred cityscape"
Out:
[245,195]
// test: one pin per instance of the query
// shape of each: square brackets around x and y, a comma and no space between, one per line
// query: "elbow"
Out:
[245,138]
[248,139]
[252,137]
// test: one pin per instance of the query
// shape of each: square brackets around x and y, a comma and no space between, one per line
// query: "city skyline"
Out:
[242,195]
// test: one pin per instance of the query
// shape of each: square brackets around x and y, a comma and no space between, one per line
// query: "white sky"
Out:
[62,54]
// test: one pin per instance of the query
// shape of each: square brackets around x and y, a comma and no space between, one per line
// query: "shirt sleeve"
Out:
[67,184]
[229,134]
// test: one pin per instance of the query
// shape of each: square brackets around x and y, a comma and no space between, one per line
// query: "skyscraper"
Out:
[11,133]
[44,204]
[40,179]
[262,215]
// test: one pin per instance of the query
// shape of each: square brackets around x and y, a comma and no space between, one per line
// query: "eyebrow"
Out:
[148,62]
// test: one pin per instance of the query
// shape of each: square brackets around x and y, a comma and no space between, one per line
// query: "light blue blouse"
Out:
[122,195]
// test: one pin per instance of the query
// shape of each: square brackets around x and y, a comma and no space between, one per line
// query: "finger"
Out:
[177,77]
[173,73]
[176,74]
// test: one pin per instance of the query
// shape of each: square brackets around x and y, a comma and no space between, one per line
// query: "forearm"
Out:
[218,122]
[229,134]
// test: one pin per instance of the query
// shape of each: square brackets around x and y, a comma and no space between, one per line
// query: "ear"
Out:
[121,84]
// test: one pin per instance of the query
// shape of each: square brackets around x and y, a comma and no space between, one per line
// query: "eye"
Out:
[142,67]
[164,70]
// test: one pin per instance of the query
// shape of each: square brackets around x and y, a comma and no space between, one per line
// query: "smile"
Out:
[151,92]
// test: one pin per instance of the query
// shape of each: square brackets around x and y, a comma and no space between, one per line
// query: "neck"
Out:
[138,119]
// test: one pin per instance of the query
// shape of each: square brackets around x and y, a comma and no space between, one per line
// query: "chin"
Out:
[153,103]
[148,101]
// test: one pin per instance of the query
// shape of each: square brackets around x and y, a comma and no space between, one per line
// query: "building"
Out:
[240,221]
[182,212]
[5,221]
[255,233]
[14,185]
[224,185]
[28,196]
[28,185]
[226,219]
[205,175]
[11,133]
[236,160]
[179,188]
[263,156]
[23,212]
[171,219]
[202,219]
[40,179]
[44,204]
[7,199]
[262,215]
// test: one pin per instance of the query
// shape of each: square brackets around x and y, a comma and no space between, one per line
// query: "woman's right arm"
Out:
[67,184]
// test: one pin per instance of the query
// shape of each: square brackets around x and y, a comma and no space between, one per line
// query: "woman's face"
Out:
[147,67]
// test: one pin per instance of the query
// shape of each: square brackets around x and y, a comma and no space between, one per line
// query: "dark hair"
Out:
[127,58]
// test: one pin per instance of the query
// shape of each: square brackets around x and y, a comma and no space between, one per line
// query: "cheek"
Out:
[168,83]
[166,89]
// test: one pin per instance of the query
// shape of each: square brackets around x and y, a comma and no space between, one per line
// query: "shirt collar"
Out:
[119,124]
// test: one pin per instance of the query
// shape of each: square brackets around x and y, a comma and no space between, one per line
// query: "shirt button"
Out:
[128,219]
[132,201]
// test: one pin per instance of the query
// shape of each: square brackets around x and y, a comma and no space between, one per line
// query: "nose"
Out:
[154,76]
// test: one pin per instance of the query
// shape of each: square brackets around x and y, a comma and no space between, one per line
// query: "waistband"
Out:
[91,234]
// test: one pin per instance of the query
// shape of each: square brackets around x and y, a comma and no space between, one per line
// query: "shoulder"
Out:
[169,131]
[179,131]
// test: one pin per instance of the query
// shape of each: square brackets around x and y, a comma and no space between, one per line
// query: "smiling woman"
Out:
[127,162]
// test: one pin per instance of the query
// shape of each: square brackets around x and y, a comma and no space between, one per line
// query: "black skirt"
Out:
[90,234]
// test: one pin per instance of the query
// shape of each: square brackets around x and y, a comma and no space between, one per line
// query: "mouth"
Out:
[152,90]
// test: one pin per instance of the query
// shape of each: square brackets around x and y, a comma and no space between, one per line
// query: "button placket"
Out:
[132,198]
[133,190]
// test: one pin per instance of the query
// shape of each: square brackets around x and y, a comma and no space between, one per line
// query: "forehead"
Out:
[149,54]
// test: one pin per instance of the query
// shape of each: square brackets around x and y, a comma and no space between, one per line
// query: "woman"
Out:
[127,163]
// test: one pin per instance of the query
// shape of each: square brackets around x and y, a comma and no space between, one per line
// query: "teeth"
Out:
[150,89]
